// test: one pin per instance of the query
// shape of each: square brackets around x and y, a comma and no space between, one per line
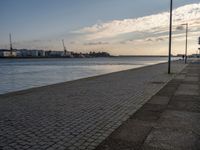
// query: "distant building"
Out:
[25,53]
[8,53]
[54,53]
[30,53]
[41,53]
[51,53]
[195,55]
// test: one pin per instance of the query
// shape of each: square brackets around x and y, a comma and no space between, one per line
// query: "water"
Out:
[20,74]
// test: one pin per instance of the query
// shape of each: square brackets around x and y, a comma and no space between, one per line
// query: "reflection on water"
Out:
[19,74]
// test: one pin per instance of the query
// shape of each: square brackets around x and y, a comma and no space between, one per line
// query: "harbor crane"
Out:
[11,48]
[65,50]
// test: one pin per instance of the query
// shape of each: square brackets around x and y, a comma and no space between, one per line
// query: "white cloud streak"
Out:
[151,24]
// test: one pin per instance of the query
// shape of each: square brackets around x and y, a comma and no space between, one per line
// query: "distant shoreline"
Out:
[83,57]
[144,56]
[48,57]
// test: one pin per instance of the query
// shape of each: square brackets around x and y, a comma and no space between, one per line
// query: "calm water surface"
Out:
[20,74]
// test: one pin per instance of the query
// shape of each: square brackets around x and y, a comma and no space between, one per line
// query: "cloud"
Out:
[73,42]
[180,28]
[96,43]
[149,24]
[151,39]
[161,38]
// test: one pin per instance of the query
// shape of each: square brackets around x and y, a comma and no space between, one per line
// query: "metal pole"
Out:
[11,48]
[10,41]
[186,43]
[170,38]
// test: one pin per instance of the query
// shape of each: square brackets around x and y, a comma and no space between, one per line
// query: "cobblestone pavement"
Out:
[78,114]
[169,120]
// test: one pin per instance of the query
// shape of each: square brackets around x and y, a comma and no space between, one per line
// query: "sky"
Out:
[120,27]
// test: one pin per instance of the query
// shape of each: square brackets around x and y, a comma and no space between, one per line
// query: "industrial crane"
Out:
[65,50]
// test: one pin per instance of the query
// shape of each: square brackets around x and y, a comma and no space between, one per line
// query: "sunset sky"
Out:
[120,27]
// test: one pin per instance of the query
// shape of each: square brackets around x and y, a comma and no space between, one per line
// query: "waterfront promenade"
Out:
[170,120]
[81,114]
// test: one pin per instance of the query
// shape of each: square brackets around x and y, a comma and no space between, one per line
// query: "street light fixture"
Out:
[170,37]
[186,41]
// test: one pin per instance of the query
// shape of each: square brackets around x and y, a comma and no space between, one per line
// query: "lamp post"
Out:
[186,41]
[170,37]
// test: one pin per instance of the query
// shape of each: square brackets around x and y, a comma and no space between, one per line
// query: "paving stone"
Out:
[180,76]
[188,89]
[149,112]
[161,100]
[192,78]
[167,91]
[168,139]
[185,103]
[188,121]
